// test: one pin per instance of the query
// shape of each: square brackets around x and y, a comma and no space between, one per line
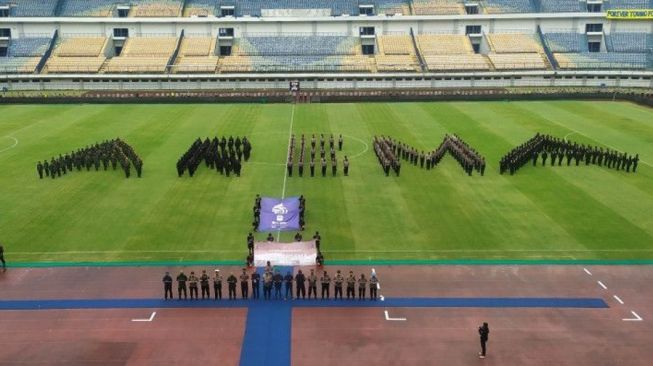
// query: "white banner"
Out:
[299,253]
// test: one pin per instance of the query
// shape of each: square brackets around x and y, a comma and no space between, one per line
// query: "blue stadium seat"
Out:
[31,8]
[562,6]
[509,6]
[566,42]
[298,45]
[28,47]
[629,42]
[629,4]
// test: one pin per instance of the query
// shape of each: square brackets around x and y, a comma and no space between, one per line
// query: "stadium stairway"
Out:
[173,58]
[547,51]
[57,8]
[47,53]
[422,64]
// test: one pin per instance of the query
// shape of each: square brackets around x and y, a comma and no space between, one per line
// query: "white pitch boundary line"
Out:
[285,171]
[569,134]
[387,317]
[12,146]
[587,271]
[146,320]
[602,285]
[367,147]
[618,299]
[636,318]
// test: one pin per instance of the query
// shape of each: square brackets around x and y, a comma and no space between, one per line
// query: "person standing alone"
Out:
[484,332]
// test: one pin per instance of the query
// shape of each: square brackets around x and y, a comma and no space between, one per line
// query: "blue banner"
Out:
[277,214]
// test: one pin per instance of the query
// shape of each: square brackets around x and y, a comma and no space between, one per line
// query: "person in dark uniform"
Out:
[337,287]
[39,168]
[204,284]
[289,166]
[484,332]
[270,237]
[374,286]
[298,237]
[167,286]
[217,285]
[635,161]
[288,280]
[231,281]
[340,143]
[351,285]
[192,285]
[334,167]
[181,285]
[267,285]
[278,281]
[362,284]
[256,279]
[300,168]
[2,258]
[244,284]
[544,156]
[312,285]
[250,243]
[345,166]
[312,165]
[324,167]
[300,281]
[325,280]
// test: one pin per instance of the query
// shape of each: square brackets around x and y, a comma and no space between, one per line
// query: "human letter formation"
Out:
[225,156]
[113,151]
[561,149]
[283,286]
[301,161]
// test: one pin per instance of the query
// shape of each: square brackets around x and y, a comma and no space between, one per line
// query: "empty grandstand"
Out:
[197,55]
[511,51]
[450,52]
[23,55]
[396,53]
[77,55]
[143,54]
[438,7]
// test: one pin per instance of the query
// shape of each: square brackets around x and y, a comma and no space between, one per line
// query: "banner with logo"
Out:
[630,14]
[278,214]
[300,253]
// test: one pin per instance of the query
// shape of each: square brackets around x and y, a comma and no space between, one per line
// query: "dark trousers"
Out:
[277,291]
[288,291]
[325,289]
[483,341]
[193,290]
[338,290]
[373,290]
[361,293]
[351,291]
[301,290]
[205,291]
[244,290]
[232,291]
[255,291]
[217,290]
[181,289]
[167,289]
[267,292]
[312,290]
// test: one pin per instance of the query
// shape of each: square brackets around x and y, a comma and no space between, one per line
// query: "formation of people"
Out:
[302,161]
[555,151]
[275,285]
[390,152]
[222,154]
[112,152]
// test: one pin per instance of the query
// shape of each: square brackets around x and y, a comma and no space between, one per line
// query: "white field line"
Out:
[285,171]
[587,271]
[146,320]
[602,285]
[636,318]
[124,251]
[387,317]
[618,299]
[12,146]
[569,134]
[367,147]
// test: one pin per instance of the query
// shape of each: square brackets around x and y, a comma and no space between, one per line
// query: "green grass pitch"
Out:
[540,213]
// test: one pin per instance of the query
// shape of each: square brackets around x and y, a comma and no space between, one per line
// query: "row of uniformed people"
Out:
[272,280]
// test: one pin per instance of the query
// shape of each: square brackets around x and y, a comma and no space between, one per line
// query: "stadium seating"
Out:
[255,8]
[629,4]
[143,54]
[31,8]
[156,8]
[24,54]
[388,6]
[562,6]
[459,62]
[196,54]
[438,7]
[87,8]
[298,45]
[513,43]
[396,53]
[77,55]
[444,44]
[518,61]
[602,60]
[629,42]
[202,8]
[566,42]
[508,6]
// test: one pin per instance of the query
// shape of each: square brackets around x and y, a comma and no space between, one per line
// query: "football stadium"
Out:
[409,182]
